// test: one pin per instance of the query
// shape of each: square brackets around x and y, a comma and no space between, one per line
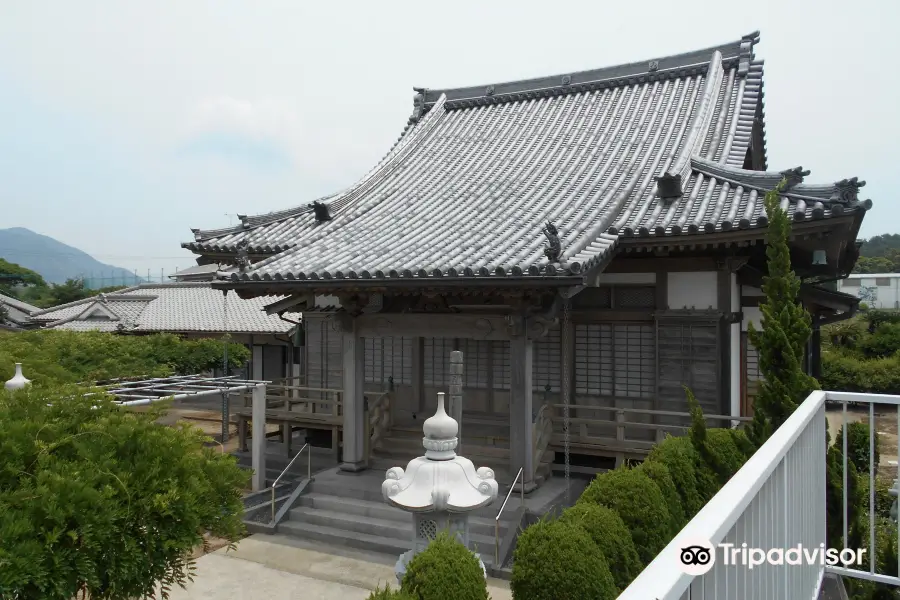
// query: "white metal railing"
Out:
[308,449]
[776,500]
[519,475]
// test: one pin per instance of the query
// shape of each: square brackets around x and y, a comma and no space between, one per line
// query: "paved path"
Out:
[264,567]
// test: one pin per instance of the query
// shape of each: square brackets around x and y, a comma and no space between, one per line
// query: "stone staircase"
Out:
[343,509]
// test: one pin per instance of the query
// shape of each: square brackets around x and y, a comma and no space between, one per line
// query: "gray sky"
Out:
[124,124]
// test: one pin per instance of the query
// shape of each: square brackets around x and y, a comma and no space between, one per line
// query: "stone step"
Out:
[367,542]
[383,512]
[480,533]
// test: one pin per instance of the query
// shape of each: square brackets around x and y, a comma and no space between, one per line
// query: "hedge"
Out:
[556,560]
[660,475]
[639,502]
[858,445]
[681,458]
[445,569]
[606,528]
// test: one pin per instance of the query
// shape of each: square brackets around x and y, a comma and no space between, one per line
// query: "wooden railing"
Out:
[580,427]
[542,435]
[319,404]
[379,418]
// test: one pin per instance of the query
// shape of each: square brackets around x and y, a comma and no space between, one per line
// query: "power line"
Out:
[106,256]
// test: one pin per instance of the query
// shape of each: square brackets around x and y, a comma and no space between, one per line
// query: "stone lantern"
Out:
[439,489]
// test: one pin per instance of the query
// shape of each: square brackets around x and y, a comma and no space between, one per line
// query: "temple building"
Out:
[592,240]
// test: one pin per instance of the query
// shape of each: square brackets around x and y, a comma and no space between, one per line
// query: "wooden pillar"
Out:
[521,449]
[258,456]
[257,363]
[354,458]
[418,374]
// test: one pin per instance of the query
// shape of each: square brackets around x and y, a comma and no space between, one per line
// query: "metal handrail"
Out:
[500,512]
[308,472]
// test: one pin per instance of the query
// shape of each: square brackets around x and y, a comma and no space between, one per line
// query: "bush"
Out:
[53,357]
[727,457]
[555,560]
[660,475]
[844,373]
[884,341]
[640,504]
[606,528]
[445,569]
[858,446]
[681,458]
[386,593]
[100,502]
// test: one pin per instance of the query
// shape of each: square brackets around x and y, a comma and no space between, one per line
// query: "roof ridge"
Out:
[736,51]
[18,304]
[82,301]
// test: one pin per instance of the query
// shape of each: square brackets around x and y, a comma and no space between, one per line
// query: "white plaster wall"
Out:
[751,314]
[693,289]
[625,278]
[746,290]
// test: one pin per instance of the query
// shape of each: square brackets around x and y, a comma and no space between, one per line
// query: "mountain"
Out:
[52,259]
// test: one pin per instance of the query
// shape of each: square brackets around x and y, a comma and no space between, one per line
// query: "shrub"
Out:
[100,502]
[727,457]
[681,458]
[884,341]
[660,475]
[858,446]
[834,494]
[555,560]
[445,569]
[386,593]
[606,528]
[640,504]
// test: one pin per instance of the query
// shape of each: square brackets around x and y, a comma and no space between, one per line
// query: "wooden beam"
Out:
[481,327]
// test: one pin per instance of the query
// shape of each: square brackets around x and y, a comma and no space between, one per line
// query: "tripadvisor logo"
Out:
[697,557]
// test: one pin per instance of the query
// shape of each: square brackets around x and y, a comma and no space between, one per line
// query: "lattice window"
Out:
[436,365]
[476,360]
[546,362]
[615,359]
[427,529]
[388,357]
[634,297]
[688,356]
[500,356]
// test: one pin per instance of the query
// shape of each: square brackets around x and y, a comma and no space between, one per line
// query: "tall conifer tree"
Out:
[786,329]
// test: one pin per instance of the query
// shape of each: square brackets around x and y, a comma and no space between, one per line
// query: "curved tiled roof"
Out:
[470,185]
[173,307]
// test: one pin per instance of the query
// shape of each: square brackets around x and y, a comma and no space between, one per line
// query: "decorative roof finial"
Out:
[321,212]
[846,191]
[440,433]
[243,255]
[793,177]
[418,105]
[554,248]
[668,186]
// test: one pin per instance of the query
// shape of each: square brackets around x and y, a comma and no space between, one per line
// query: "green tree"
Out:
[52,357]
[100,502]
[786,329]
[12,275]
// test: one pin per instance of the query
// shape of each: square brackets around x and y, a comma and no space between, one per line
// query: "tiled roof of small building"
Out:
[173,307]
[17,311]
[480,171]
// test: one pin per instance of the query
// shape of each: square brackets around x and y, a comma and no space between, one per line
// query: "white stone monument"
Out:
[18,381]
[439,489]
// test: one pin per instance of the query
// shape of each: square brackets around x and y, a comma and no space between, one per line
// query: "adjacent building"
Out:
[15,314]
[876,290]
[590,239]
[192,310]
